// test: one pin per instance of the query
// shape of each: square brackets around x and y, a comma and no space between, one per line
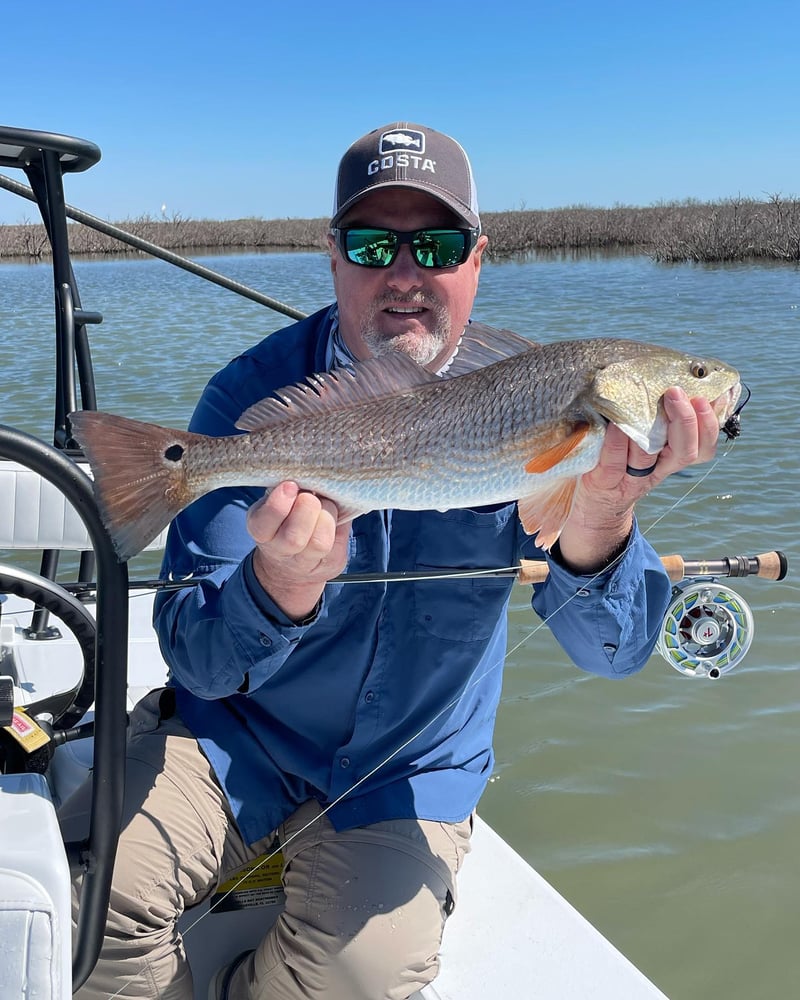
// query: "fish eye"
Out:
[174,453]
[699,369]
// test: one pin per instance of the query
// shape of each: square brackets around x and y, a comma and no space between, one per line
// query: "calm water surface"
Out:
[666,809]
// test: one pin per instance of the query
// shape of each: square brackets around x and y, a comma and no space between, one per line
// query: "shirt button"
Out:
[344,762]
[264,639]
[369,696]
[583,592]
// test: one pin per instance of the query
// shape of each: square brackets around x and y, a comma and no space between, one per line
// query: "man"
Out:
[355,721]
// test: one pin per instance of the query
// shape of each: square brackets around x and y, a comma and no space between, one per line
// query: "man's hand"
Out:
[602,515]
[299,547]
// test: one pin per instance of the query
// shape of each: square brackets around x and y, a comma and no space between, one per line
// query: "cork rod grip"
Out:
[769,566]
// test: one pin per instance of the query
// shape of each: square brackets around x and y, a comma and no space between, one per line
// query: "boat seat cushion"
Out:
[31,935]
[34,514]
[35,952]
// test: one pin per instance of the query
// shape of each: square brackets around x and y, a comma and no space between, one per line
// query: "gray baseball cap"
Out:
[410,156]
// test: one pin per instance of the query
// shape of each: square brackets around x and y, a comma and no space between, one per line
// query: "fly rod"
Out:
[769,566]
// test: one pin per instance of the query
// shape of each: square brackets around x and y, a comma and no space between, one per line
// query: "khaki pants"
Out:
[365,908]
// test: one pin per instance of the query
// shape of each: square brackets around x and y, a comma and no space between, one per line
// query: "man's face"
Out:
[404,307]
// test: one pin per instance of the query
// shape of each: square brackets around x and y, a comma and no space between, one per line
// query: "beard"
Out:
[421,346]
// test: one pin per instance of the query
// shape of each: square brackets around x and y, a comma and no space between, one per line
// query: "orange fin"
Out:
[543,514]
[548,459]
[139,475]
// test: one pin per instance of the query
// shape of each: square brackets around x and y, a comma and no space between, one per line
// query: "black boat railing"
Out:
[97,854]
[45,157]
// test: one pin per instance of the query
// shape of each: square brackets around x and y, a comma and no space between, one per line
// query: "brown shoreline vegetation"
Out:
[733,229]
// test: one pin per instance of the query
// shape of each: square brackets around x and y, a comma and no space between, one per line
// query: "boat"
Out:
[75,658]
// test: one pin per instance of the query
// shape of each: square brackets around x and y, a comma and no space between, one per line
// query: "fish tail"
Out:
[140,478]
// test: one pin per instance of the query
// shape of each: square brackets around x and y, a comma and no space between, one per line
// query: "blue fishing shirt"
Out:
[385,703]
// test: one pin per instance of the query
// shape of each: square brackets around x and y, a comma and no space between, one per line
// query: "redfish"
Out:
[388,434]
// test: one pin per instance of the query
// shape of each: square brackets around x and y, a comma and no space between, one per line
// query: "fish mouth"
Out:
[730,421]
[725,404]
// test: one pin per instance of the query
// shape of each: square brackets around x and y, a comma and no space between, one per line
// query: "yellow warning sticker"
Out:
[26,732]
[258,883]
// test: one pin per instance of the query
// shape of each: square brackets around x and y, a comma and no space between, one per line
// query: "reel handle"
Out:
[769,566]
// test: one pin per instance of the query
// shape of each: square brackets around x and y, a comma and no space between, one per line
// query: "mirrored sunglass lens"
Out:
[439,247]
[371,247]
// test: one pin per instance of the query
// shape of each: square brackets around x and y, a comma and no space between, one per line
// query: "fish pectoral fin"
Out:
[549,458]
[543,513]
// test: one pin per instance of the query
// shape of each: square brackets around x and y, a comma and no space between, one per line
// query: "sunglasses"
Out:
[429,247]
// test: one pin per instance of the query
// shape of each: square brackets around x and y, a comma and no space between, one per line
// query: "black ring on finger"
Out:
[640,473]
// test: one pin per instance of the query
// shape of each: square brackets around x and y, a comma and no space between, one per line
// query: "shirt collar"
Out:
[338,354]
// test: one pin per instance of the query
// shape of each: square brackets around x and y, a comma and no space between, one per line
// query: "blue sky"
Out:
[225,110]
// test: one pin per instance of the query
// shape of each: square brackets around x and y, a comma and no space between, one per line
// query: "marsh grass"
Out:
[733,229]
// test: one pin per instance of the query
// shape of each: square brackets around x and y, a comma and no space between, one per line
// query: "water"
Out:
[666,809]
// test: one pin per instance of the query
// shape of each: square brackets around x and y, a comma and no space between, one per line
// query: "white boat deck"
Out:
[513,937]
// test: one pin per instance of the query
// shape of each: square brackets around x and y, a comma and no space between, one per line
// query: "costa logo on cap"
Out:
[407,155]
[407,139]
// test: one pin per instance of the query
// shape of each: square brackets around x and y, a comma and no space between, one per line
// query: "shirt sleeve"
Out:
[607,623]
[223,634]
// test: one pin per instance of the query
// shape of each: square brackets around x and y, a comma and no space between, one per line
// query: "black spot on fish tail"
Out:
[139,475]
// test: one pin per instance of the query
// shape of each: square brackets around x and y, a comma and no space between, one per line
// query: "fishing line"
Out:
[473,683]
[691,489]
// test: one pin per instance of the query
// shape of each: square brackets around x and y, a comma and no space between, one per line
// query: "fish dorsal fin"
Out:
[544,513]
[327,392]
[482,345]
[549,458]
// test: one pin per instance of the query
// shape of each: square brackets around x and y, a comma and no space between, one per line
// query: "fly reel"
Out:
[706,631]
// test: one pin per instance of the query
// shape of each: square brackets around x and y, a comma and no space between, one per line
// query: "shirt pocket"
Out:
[465,609]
